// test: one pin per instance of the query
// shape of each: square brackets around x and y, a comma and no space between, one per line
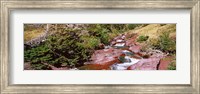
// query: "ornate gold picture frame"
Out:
[8,5]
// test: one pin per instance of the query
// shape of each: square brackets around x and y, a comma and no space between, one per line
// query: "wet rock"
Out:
[105,56]
[119,41]
[127,52]
[131,41]
[94,67]
[119,45]
[107,47]
[107,61]
[145,64]
[112,43]
[136,56]
[100,64]
[117,67]
[135,48]
[123,37]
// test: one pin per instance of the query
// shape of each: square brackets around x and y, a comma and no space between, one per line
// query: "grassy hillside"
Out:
[33,33]
[155,30]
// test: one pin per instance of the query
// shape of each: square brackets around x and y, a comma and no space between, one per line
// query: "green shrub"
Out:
[100,32]
[41,51]
[105,32]
[39,66]
[142,38]
[63,48]
[89,42]
[119,27]
[166,44]
[37,55]
[172,66]
[67,48]
[133,26]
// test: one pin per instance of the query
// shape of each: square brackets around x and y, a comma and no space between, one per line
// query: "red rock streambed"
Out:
[124,54]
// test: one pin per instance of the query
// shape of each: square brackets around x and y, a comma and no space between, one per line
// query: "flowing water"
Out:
[122,61]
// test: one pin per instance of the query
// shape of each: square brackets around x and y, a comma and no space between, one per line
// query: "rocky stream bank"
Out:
[124,53]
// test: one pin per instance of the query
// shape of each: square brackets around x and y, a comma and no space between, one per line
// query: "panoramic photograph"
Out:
[99,46]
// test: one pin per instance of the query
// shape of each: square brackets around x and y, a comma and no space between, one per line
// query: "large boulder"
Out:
[105,56]
[135,48]
[164,62]
[145,64]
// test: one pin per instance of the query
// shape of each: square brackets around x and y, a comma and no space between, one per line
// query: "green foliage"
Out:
[105,32]
[37,55]
[104,36]
[71,48]
[40,51]
[111,27]
[64,47]
[101,32]
[166,44]
[172,66]
[142,38]
[132,26]
[89,42]
[39,66]
[68,47]
[119,27]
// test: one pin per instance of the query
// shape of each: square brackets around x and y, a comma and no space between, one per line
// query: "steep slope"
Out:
[155,30]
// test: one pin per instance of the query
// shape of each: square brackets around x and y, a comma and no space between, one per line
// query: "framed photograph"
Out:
[134,46]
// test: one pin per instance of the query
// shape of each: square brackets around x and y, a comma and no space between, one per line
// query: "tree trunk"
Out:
[47,28]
